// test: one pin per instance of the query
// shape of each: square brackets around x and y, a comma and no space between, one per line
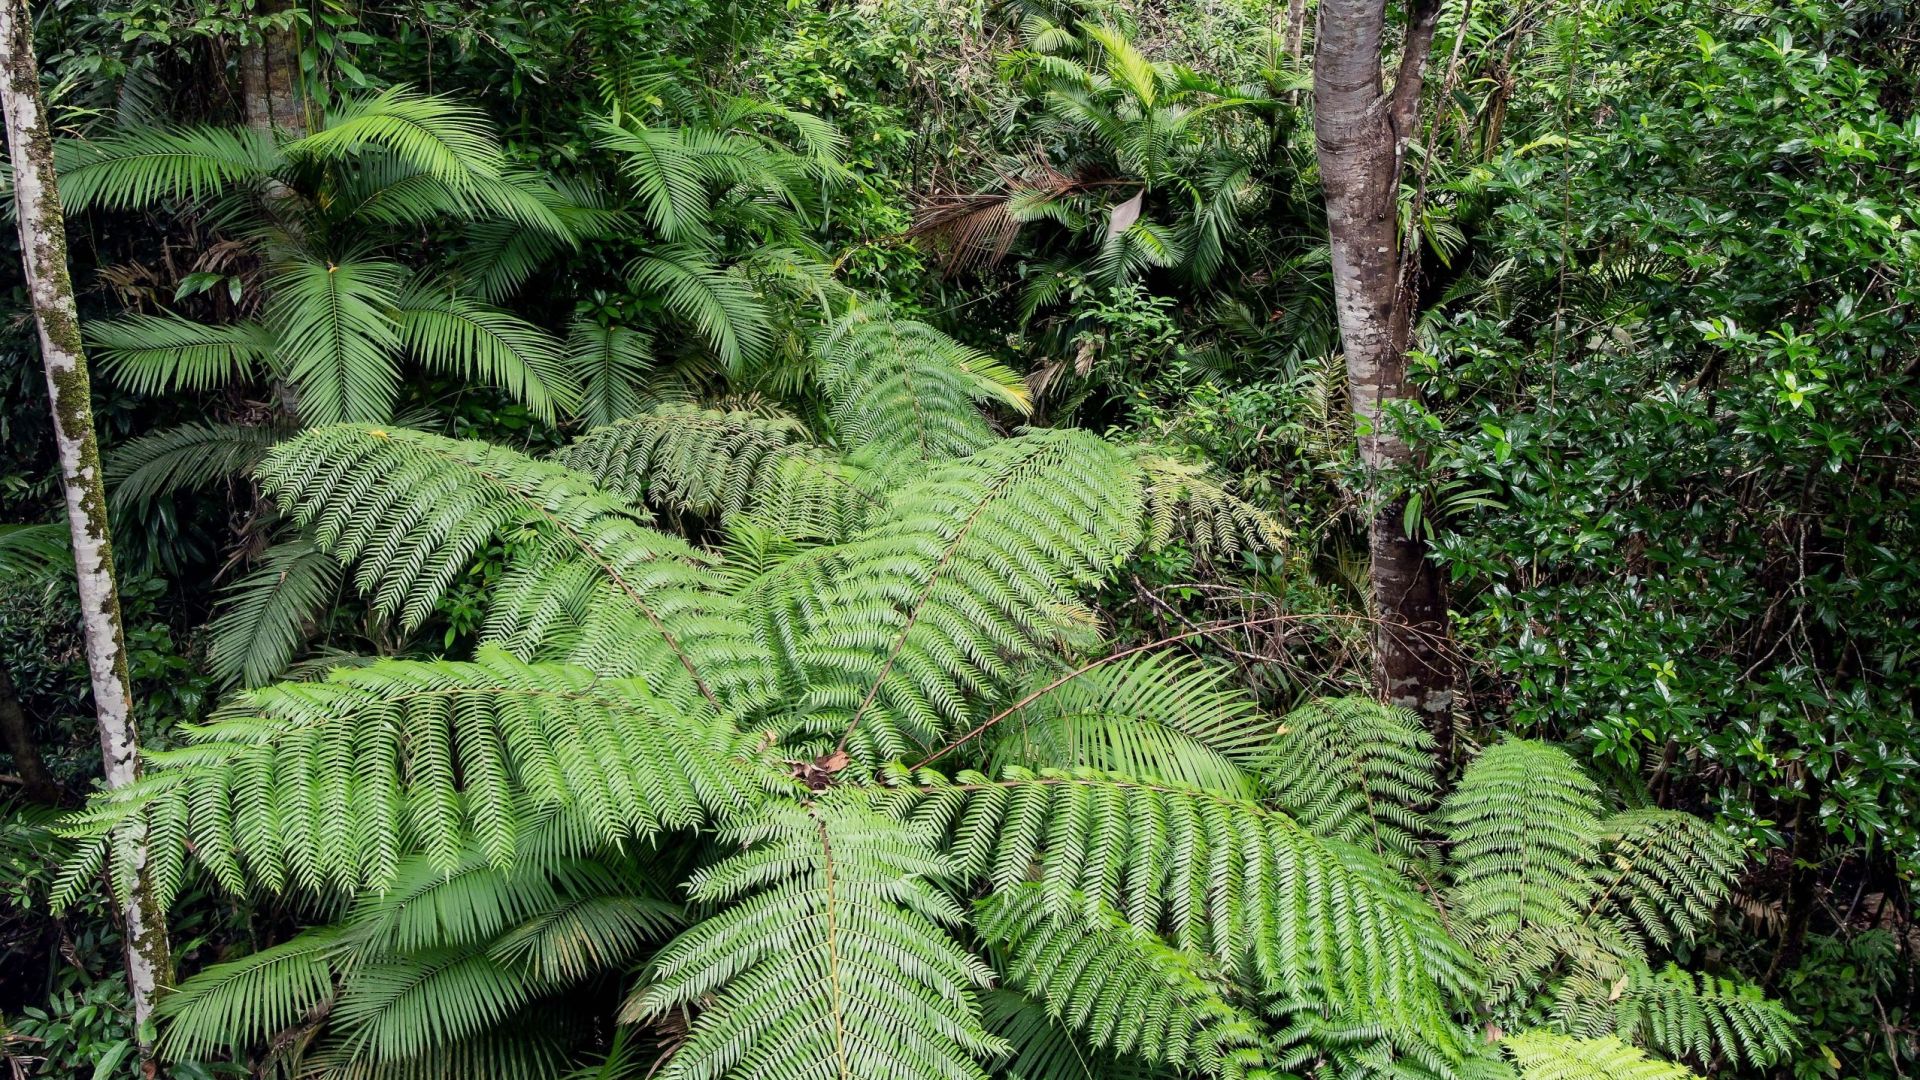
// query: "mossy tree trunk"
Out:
[43,250]
[1361,130]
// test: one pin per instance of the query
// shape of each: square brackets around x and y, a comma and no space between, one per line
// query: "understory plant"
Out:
[790,748]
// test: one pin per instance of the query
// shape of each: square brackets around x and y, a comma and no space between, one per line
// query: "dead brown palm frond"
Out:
[970,229]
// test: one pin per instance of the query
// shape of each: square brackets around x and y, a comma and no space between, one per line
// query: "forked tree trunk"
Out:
[43,249]
[1362,129]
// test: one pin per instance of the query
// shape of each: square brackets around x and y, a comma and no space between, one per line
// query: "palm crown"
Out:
[713,766]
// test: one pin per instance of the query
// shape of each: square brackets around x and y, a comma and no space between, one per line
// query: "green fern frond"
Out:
[703,461]
[1126,991]
[452,333]
[1184,502]
[331,784]
[887,640]
[337,337]
[1155,715]
[266,616]
[1541,1055]
[1313,923]
[833,957]
[1525,827]
[156,354]
[132,170]
[1668,871]
[1045,1049]
[901,386]
[1354,770]
[1702,1017]
[187,458]
[244,1002]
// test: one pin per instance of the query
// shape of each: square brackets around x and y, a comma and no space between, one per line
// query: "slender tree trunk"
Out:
[43,248]
[1361,129]
[36,783]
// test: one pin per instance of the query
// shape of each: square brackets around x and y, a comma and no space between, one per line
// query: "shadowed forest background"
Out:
[899,538]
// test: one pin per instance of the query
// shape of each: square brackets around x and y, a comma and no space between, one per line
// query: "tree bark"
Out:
[36,783]
[1361,130]
[270,74]
[43,249]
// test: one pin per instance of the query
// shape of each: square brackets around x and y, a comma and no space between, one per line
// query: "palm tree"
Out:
[784,793]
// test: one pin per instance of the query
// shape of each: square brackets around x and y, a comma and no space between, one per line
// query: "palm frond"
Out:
[266,616]
[613,364]
[715,300]
[481,343]
[187,458]
[157,354]
[435,134]
[337,337]
[132,170]
[29,551]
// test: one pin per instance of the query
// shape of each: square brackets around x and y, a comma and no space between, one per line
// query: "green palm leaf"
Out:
[337,335]
[452,333]
[156,354]
[614,364]
[187,458]
[433,133]
[715,300]
[137,169]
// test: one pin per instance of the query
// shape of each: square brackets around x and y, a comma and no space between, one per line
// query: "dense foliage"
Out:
[723,538]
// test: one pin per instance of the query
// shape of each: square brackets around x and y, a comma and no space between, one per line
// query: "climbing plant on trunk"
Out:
[43,250]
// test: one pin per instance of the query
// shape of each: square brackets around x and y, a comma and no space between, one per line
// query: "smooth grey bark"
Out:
[43,249]
[1361,129]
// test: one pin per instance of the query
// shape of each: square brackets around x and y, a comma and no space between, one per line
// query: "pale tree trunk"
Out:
[1362,129]
[43,249]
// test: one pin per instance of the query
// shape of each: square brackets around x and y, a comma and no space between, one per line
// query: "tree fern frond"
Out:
[1155,715]
[337,335]
[332,784]
[132,170]
[903,387]
[1045,1049]
[1313,923]
[833,957]
[1542,1055]
[1184,502]
[1354,770]
[156,354]
[456,334]
[1668,871]
[584,579]
[1126,990]
[1699,1016]
[886,640]
[704,461]
[716,301]
[187,458]
[1525,829]
[266,616]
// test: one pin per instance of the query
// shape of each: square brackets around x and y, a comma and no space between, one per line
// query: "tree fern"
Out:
[1702,1017]
[1042,1048]
[834,958]
[1540,1055]
[903,387]
[1525,828]
[883,640]
[1354,770]
[1153,715]
[1668,871]
[330,785]
[1184,502]
[1126,991]
[704,461]
[1229,878]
